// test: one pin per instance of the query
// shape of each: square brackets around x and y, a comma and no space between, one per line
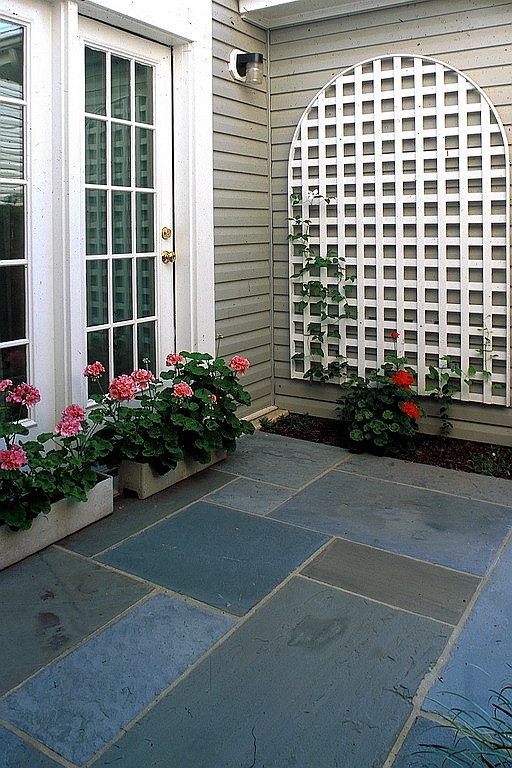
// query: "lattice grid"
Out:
[414,156]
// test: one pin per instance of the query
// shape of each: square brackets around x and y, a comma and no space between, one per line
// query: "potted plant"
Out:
[48,486]
[162,429]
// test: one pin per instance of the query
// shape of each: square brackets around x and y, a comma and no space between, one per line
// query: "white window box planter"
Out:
[144,481]
[66,517]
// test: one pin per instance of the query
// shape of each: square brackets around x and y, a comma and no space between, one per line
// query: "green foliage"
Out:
[497,464]
[479,737]
[371,411]
[290,423]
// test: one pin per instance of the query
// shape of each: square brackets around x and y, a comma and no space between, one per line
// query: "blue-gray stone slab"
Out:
[281,460]
[316,677]
[417,750]
[251,496]
[16,753]
[465,484]
[219,556]
[480,658]
[49,602]
[78,704]
[132,515]
[460,533]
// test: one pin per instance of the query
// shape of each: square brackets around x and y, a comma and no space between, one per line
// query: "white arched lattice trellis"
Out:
[414,157]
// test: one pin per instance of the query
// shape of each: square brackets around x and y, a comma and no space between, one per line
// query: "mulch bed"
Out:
[450,453]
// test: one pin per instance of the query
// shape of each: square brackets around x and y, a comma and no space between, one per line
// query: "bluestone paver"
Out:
[16,753]
[79,703]
[251,495]
[219,556]
[316,677]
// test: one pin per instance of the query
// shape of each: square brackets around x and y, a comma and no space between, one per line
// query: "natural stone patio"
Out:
[296,605]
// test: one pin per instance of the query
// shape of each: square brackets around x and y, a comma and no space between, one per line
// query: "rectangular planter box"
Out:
[144,481]
[66,517]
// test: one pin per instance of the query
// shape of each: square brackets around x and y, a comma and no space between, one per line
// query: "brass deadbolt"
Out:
[168,257]
[166,233]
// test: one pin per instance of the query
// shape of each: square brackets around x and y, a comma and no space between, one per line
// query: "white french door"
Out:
[126,199]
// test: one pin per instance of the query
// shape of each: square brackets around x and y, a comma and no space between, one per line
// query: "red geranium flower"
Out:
[411,409]
[394,334]
[403,378]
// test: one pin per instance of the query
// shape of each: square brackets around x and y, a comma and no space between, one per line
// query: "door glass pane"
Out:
[12,222]
[95,152]
[123,349]
[11,60]
[146,346]
[11,141]
[121,155]
[95,82]
[12,303]
[120,86]
[143,157]
[13,363]
[143,93]
[97,292]
[121,222]
[145,287]
[145,224]
[97,349]
[122,289]
[95,222]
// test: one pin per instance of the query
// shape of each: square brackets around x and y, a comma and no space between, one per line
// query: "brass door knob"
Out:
[168,257]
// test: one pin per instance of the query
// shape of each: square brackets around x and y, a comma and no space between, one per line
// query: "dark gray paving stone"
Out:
[81,702]
[417,750]
[316,677]
[16,753]
[480,658]
[251,496]
[281,460]
[455,532]
[222,557]
[413,585]
[131,515]
[466,484]
[51,601]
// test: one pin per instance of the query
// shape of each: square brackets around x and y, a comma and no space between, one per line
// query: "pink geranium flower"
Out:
[239,364]
[182,389]
[74,411]
[213,398]
[174,359]
[5,384]
[68,427]
[13,458]
[25,394]
[142,378]
[94,369]
[122,388]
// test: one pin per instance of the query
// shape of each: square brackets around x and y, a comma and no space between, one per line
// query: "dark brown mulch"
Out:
[450,453]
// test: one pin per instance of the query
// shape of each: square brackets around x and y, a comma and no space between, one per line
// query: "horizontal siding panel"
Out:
[239,126]
[224,217]
[255,346]
[239,236]
[242,255]
[249,112]
[224,180]
[228,273]
[224,86]
[240,145]
[225,160]
[255,287]
[241,200]
[253,305]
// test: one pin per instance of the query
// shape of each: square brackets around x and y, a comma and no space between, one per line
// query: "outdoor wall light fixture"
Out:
[246,67]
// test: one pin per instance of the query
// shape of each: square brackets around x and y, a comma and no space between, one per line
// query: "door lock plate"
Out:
[166,233]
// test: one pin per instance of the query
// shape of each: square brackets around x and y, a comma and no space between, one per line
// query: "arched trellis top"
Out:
[413,157]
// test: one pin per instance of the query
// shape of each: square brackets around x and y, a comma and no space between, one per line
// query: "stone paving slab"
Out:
[16,753]
[251,496]
[51,601]
[480,659]
[413,585]
[418,522]
[77,705]
[130,516]
[415,752]
[281,460]
[316,677]
[464,484]
[222,557]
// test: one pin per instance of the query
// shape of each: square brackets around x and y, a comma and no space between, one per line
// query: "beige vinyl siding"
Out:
[474,36]
[241,204]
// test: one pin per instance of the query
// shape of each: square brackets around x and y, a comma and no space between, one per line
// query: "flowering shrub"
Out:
[193,415]
[379,411]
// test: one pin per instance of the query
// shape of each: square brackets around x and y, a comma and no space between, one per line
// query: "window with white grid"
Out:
[413,158]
